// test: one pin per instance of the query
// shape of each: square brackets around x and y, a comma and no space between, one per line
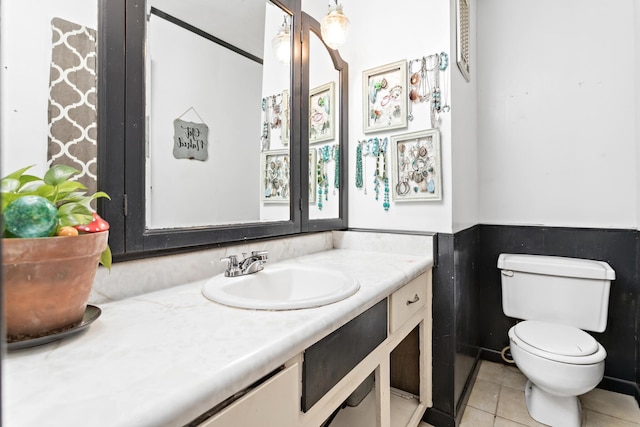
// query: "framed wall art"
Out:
[384,96]
[462,38]
[416,172]
[275,167]
[274,182]
[321,116]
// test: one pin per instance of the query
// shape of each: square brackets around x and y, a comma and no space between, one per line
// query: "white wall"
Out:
[558,104]
[382,33]
[464,135]
[25,58]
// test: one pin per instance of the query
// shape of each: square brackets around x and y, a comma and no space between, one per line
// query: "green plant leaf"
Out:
[66,188]
[17,174]
[105,258]
[9,185]
[33,187]
[8,198]
[71,214]
[58,174]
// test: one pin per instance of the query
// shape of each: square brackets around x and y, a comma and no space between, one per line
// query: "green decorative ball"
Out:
[31,216]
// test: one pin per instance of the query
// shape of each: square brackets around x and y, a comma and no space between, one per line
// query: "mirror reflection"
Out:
[324,135]
[217,110]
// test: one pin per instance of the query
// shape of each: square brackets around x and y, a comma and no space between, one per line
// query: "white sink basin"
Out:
[281,287]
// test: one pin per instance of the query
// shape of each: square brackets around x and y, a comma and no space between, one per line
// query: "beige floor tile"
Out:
[595,419]
[511,406]
[503,422]
[613,404]
[473,417]
[484,396]
[514,378]
[423,424]
[491,371]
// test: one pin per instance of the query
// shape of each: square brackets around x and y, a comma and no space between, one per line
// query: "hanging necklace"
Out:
[443,65]
[359,165]
[321,177]
[336,173]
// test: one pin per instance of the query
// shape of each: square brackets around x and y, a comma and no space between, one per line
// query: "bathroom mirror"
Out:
[217,108]
[253,108]
[326,128]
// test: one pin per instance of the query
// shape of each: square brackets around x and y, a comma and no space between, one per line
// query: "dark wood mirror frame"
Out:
[121,148]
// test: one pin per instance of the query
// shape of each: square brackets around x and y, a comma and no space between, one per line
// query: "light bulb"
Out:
[281,43]
[334,27]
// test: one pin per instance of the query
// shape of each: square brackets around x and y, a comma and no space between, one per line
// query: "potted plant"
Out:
[52,242]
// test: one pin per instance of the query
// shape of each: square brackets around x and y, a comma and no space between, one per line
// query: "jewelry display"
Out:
[275,112]
[336,174]
[265,138]
[276,171]
[359,165]
[378,148]
[415,166]
[423,80]
[385,97]
[321,113]
[326,154]
[443,65]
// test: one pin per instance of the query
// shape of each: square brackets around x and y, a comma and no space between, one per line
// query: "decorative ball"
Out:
[31,216]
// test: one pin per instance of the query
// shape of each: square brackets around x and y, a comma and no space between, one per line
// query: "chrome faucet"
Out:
[250,264]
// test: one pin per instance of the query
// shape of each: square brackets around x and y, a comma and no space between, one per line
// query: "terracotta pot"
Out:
[47,282]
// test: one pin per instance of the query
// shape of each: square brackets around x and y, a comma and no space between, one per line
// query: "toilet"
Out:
[557,299]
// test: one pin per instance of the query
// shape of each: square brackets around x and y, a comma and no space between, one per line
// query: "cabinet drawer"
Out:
[407,301]
[272,404]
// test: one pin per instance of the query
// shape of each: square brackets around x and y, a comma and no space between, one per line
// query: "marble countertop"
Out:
[165,357]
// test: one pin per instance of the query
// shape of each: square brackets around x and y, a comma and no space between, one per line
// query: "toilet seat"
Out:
[561,343]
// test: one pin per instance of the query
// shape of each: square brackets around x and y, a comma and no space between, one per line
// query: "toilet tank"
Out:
[569,291]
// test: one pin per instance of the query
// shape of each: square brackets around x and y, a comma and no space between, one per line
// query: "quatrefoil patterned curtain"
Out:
[73,100]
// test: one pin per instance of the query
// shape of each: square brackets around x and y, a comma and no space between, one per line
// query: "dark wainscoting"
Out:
[468,322]
[455,334]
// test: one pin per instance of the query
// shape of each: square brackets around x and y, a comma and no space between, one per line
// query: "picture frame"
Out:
[462,38]
[321,113]
[274,176]
[275,165]
[416,170]
[384,96]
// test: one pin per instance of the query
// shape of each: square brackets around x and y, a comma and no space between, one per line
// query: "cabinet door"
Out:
[272,404]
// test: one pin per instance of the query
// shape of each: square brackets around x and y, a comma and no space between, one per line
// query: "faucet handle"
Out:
[233,268]
[232,260]
[261,255]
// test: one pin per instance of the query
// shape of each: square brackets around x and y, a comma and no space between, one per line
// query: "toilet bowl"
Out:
[558,299]
[561,362]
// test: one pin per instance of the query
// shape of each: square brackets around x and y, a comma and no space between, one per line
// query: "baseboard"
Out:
[621,386]
[437,418]
[466,392]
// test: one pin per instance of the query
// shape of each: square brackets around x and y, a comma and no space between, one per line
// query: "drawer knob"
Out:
[416,298]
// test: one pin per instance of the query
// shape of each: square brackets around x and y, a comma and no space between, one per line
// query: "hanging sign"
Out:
[190,140]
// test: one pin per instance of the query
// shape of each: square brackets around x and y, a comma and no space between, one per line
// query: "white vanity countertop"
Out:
[166,357]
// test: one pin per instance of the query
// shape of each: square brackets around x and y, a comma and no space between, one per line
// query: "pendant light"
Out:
[281,43]
[334,27]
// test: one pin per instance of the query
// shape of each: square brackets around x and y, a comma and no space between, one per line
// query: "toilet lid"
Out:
[557,339]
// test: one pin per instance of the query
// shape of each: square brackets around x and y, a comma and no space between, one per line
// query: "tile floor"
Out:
[497,399]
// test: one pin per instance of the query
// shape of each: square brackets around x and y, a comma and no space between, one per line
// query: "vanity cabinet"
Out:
[402,390]
[397,353]
[273,403]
